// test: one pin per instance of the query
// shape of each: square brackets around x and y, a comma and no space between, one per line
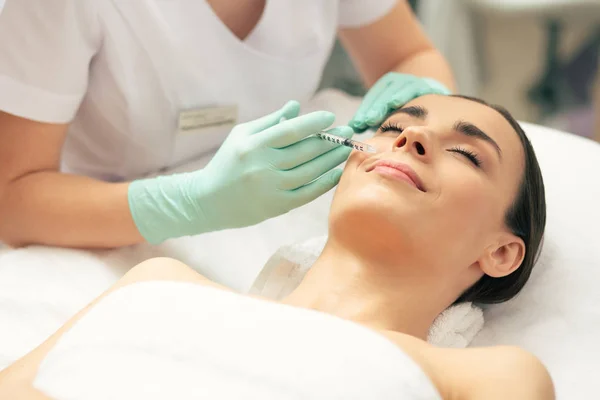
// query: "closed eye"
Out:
[396,129]
[389,127]
[470,155]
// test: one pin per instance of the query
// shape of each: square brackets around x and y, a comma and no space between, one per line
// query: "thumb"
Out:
[290,110]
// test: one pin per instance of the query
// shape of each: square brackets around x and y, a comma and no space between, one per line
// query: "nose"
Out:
[416,140]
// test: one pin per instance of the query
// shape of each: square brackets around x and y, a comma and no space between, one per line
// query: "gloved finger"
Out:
[307,172]
[288,111]
[414,90]
[436,87]
[379,112]
[401,97]
[358,127]
[291,131]
[315,189]
[369,100]
[307,149]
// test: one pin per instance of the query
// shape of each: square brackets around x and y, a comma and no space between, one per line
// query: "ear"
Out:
[503,257]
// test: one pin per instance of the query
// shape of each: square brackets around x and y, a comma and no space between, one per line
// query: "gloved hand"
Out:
[263,169]
[389,93]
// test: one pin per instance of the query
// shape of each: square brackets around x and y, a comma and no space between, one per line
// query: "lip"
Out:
[402,171]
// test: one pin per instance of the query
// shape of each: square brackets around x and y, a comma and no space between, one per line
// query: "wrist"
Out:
[167,207]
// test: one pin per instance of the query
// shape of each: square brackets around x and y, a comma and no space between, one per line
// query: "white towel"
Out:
[455,327]
[178,340]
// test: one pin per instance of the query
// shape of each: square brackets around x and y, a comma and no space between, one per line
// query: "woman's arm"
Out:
[396,43]
[44,75]
[38,204]
[16,381]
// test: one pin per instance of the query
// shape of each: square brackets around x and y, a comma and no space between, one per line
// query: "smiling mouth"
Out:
[398,171]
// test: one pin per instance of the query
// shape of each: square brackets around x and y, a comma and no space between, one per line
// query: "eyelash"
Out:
[471,155]
[389,127]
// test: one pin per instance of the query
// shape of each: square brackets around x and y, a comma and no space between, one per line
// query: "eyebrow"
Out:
[413,111]
[464,127]
[468,129]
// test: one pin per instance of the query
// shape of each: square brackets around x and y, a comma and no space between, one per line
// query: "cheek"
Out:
[350,170]
[468,203]
[370,198]
[356,188]
[381,143]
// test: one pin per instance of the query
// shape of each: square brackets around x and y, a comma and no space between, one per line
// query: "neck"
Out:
[383,297]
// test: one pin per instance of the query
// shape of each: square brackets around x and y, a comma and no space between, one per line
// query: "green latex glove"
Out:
[264,168]
[390,92]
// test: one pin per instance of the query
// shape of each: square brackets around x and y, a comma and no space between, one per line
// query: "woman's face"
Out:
[437,191]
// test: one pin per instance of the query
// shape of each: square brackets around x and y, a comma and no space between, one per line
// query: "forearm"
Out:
[57,209]
[428,64]
[395,43]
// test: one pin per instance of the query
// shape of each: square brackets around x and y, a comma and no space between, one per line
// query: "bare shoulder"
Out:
[516,373]
[499,372]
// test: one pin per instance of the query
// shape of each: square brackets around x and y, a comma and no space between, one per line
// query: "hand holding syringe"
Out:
[264,168]
[354,144]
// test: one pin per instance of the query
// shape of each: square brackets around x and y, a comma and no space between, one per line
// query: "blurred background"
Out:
[538,58]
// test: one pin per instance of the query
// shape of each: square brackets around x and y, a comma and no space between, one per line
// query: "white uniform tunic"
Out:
[123,71]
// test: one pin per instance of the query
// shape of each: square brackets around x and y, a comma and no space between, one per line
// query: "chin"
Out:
[374,217]
[373,194]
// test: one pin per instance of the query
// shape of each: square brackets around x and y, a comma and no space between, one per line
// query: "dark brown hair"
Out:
[526,218]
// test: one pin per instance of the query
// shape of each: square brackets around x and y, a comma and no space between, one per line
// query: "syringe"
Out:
[356,145]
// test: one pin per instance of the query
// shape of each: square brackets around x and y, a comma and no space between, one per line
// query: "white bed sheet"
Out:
[557,316]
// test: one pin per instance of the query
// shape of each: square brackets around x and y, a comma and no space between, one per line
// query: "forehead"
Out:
[446,111]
